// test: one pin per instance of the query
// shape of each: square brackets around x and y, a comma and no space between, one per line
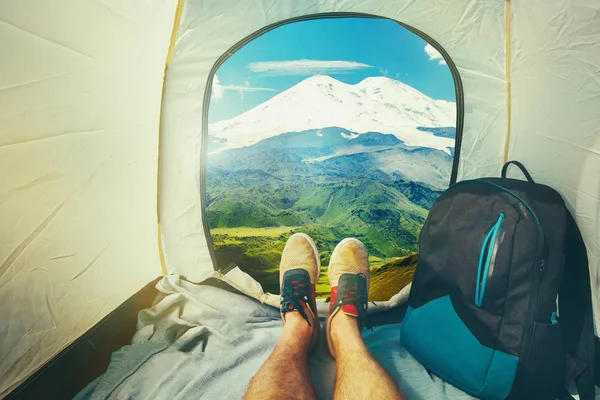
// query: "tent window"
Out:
[336,127]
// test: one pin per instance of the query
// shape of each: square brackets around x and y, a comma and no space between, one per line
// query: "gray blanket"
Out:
[201,342]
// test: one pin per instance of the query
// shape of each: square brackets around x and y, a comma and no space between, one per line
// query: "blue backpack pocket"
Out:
[437,337]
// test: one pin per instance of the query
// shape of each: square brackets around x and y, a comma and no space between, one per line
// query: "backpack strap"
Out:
[521,167]
[576,316]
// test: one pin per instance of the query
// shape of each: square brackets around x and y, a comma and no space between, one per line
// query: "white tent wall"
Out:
[80,102]
[80,95]
[473,33]
[555,129]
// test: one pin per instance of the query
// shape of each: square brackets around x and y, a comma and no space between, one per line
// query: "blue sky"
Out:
[347,49]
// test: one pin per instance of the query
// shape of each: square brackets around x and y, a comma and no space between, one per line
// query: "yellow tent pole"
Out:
[174,34]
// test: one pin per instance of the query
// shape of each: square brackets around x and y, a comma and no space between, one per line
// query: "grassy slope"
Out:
[242,232]
[247,210]
[381,216]
[258,195]
[258,252]
[388,279]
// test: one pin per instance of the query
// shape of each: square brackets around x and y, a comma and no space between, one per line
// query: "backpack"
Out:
[500,304]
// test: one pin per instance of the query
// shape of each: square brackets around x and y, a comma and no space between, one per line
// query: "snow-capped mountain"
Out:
[376,104]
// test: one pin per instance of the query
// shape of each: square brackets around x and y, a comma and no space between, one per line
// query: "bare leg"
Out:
[285,373]
[358,375]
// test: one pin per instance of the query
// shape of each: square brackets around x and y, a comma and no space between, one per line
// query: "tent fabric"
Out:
[85,116]
[555,66]
[551,62]
[199,341]
[80,95]
[478,54]
[89,356]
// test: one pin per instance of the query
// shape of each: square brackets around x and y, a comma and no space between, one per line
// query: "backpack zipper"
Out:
[540,233]
[488,248]
[539,262]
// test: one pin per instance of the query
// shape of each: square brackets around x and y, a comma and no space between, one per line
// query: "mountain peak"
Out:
[379,80]
[320,79]
[322,83]
[376,104]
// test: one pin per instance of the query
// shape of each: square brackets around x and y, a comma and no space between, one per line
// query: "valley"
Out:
[257,196]
[297,163]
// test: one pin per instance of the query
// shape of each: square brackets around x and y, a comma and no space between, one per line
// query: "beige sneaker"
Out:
[349,279]
[298,273]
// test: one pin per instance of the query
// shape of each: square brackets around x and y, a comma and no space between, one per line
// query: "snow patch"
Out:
[349,136]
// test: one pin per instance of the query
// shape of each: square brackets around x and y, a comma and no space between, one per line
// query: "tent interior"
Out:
[143,209]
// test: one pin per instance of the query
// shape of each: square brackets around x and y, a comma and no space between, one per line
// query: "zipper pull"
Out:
[542,265]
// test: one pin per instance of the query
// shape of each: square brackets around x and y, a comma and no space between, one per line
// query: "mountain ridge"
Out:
[376,104]
[327,152]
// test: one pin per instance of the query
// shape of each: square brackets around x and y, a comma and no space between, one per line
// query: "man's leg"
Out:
[285,373]
[358,375]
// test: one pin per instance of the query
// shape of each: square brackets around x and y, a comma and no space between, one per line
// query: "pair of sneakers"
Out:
[348,277]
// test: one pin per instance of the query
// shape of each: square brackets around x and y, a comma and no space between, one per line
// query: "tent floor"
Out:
[89,356]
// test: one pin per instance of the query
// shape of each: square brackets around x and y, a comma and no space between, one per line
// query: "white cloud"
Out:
[305,67]
[247,88]
[434,54]
[218,89]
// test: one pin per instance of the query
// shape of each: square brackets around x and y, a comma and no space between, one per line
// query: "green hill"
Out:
[381,216]
[328,187]
[390,278]
[251,223]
